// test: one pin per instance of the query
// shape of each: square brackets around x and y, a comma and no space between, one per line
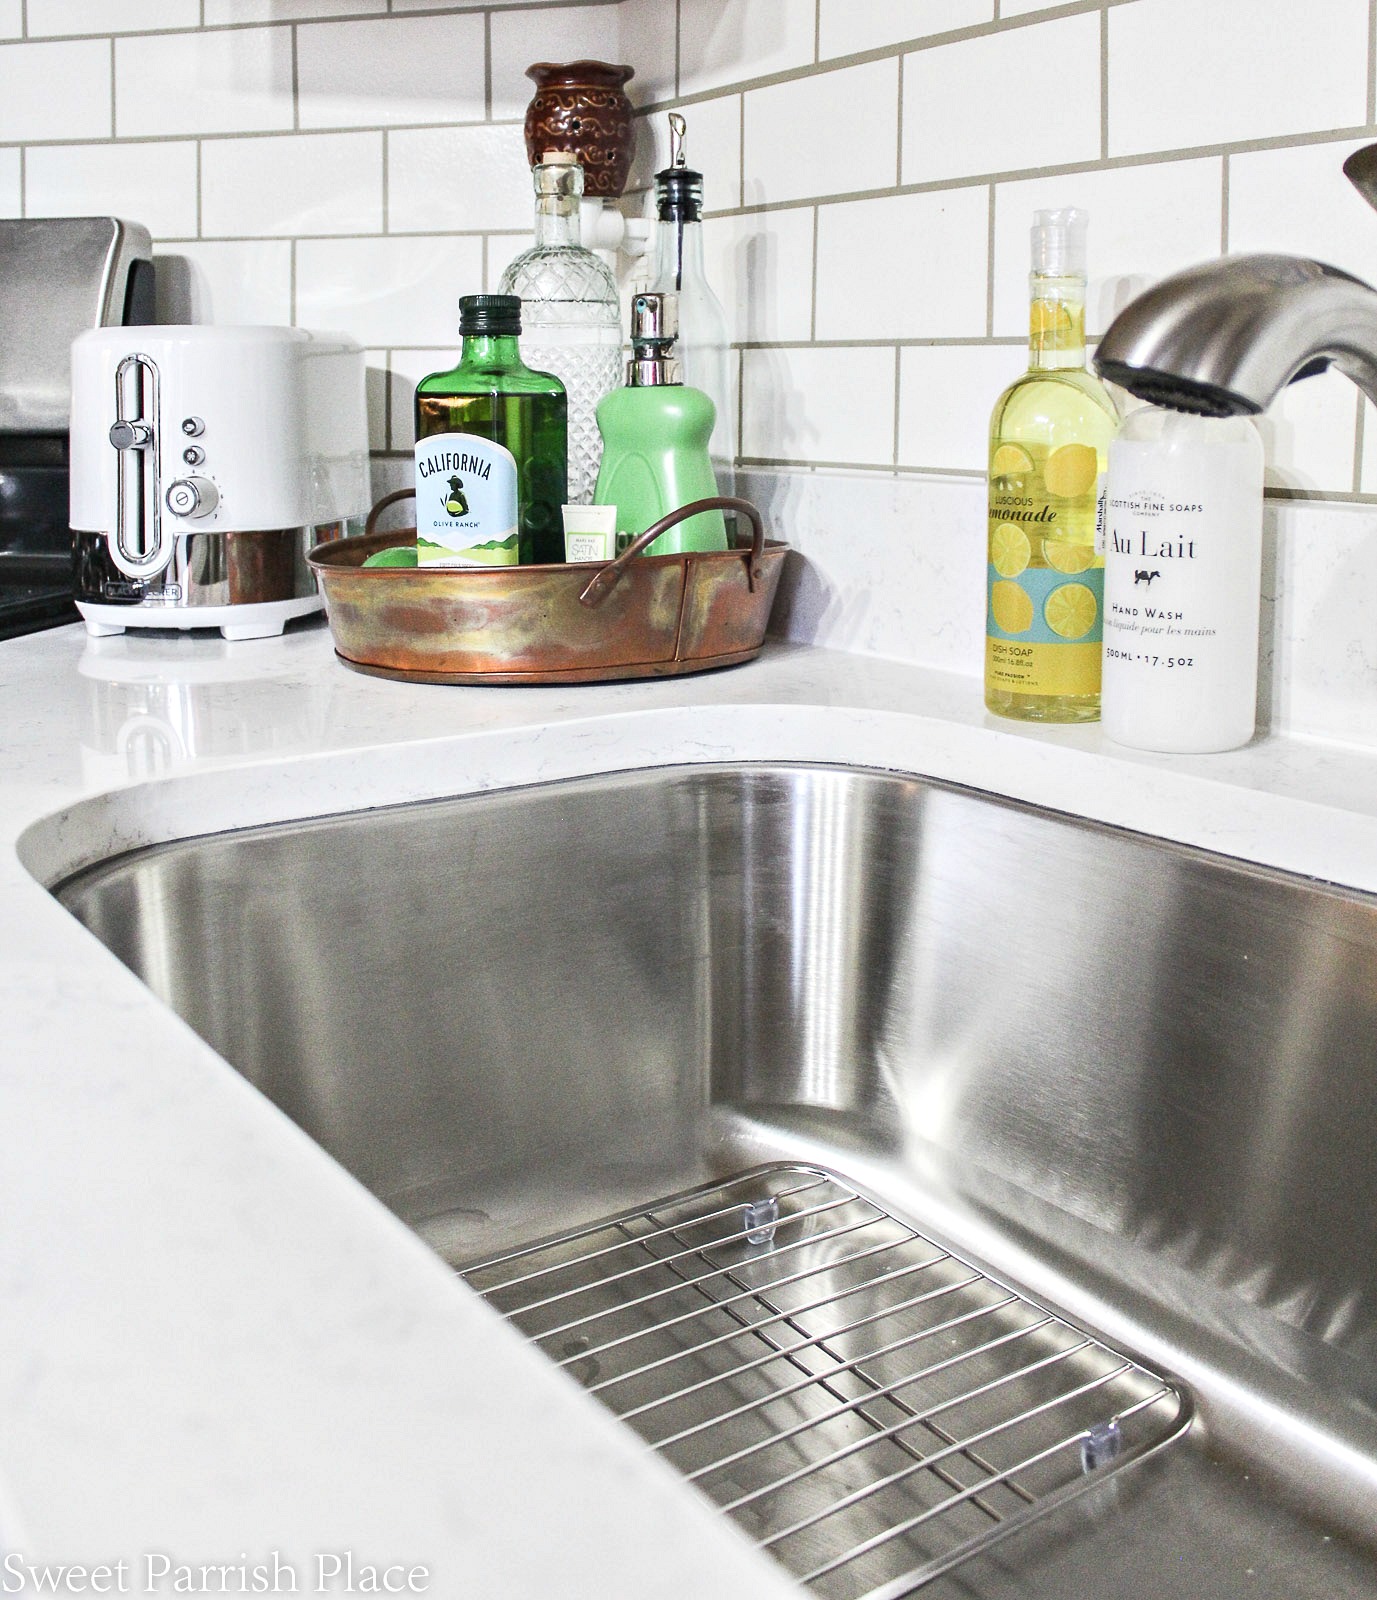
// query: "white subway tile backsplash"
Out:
[55,91]
[238,80]
[760,267]
[154,184]
[1309,433]
[11,196]
[1145,222]
[443,179]
[946,395]
[726,41]
[940,238]
[1184,74]
[11,19]
[376,379]
[818,405]
[224,11]
[406,368]
[388,71]
[502,249]
[243,282]
[846,26]
[293,186]
[571,33]
[46,17]
[648,43]
[1298,201]
[985,104]
[712,145]
[831,134]
[386,291]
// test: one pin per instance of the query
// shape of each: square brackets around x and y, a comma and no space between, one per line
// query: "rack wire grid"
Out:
[865,1404]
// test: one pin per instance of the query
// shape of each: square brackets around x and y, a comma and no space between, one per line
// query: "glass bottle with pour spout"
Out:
[704,343]
[1049,442]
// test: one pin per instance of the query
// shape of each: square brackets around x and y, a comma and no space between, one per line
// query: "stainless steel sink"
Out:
[1135,1081]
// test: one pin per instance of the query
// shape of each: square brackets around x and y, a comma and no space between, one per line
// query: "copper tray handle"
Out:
[387,500]
[602,583]
[605,579]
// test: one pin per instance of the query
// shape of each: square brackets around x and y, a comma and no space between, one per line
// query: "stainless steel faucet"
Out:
[1226,337]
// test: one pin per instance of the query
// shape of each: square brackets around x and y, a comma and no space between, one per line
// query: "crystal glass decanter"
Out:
[570,313]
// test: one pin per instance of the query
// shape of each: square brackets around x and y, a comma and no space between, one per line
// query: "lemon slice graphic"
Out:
[1013,610]
[1064,555]
[1070,610]
[1010,550]
[1071,471]
[1009,461]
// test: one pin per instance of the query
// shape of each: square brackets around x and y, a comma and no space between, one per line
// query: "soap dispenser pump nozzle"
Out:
[654,328]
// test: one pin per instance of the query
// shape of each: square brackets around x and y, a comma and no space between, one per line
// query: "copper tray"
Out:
[637,617]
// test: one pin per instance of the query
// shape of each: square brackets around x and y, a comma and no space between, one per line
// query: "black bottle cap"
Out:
[679,194]
[489,313]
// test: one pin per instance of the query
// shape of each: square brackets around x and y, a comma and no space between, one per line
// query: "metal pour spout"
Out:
[1224,338]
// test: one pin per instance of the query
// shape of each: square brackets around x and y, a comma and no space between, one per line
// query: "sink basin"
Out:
[1132,1079]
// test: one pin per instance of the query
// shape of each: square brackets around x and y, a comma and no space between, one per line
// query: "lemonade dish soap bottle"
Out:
[655,435]
[1049,443]
[490,449]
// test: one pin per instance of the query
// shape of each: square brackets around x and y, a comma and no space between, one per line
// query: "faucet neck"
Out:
[1056,322]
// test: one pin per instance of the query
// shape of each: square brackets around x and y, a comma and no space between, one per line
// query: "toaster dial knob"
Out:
[193,427]
[131,435]
[192,497]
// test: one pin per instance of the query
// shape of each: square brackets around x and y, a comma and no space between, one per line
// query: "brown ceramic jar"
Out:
[582,106]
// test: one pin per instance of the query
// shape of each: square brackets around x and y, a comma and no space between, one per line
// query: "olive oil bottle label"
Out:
[465,502]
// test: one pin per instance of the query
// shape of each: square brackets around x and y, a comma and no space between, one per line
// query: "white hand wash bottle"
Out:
[1182,582]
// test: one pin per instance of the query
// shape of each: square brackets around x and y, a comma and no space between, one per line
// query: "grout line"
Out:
[678,47]
[894,456]
[1224,205]
[1104,85]
[200,222]
[996,10]
[990,267]
[23,181]
[112,87]
[386,187]
[1372,61]
[483,263]
[296,87]
[487,65]
[24,18]
[387,391]
[291,284]
[899,129]
[817,30]
[741,149]
[1358,445]
[813,307]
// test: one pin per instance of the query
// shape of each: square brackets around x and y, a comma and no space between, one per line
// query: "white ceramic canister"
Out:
[1182,582]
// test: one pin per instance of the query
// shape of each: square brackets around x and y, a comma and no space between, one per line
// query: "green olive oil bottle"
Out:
[1049,444]
[491,449]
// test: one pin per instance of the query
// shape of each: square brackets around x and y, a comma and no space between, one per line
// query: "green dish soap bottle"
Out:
[491,449]
[655,439]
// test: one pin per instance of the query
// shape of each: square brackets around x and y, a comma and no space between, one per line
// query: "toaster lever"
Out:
[141,544]
[131,435]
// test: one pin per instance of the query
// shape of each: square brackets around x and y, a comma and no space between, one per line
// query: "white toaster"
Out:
[205,463]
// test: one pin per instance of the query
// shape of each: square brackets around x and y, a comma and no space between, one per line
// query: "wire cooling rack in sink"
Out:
[869,1407]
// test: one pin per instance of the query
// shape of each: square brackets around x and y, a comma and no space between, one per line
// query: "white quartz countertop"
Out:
[214,1345]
